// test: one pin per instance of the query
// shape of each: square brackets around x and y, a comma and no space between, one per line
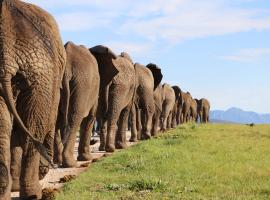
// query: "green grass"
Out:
[191,162]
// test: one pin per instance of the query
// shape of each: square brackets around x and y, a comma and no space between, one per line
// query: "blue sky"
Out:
[218,49]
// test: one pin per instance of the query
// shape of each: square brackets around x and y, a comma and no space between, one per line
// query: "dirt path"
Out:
[52,179]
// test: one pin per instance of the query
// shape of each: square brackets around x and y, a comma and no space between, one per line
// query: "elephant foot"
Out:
[15,185]
[4,178]
[43,171]
[58,160]
[133,139]
[146,137]
[84,157]
[121,145]
[31,192]
[101,147]
[69,162]
[110,148]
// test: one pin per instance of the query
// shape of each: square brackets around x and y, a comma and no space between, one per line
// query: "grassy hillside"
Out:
[192,162]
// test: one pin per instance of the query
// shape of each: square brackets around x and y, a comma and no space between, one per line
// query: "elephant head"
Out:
[156,71]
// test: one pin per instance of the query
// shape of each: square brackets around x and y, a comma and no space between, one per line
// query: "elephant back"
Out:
[37,29]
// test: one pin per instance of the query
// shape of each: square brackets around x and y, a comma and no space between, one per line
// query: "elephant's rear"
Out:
[32,53]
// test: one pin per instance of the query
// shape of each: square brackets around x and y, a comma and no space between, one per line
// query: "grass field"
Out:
[191,162]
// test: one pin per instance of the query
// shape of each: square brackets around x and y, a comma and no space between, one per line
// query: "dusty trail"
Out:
[52,179]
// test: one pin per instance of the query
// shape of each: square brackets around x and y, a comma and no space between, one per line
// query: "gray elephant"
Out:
[178,106]
[147,80]
[193,111]
[117,87]
[167,106]
[32,65]
[203,110]
[79,101]
[186,106]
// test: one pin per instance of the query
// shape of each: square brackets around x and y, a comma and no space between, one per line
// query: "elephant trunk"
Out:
[7,90]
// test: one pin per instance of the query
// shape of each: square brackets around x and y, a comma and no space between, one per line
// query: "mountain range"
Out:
[237,115]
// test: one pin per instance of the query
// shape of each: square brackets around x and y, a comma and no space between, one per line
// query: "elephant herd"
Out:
[49,91]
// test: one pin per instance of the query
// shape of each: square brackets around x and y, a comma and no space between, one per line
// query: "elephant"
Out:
[32,66]
[203,109]
[186,106]
[178,105]
[117,87]
[147,80]
[193,110]
[167,106]
[158,98]
[79,100]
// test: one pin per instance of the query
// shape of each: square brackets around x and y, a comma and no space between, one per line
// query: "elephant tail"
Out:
[7,90]
[66,99]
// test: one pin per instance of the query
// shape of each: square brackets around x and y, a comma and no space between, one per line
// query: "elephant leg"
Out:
[16,159]
[15,167]
[111,128]
[102,134]
[139,123]
[185,114]
[177,118]
[174,116]
[133,117]
[44,166]
[147,118]
[155,123]
[29,179]
[170,120]
[120,140]
[204,117]
[68,151]
[164,123]
[114,109]
[201,117]
[85,136]
[165,116]
[5,129]
[174,123]
[58,148]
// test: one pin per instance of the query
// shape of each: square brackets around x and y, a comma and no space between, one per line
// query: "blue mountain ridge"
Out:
[237,115]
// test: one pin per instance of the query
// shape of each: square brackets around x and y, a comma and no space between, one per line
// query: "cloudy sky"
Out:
[219,49]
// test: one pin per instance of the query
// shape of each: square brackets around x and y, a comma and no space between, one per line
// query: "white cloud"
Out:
[173,20]
[81,21]
[189,20]
[249,55]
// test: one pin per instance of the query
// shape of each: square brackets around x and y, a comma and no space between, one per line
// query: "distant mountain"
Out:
[236,115]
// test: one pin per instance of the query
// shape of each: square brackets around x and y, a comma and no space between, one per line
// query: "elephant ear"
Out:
[177,91]
[107,69]
[156,71]
[126,56]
